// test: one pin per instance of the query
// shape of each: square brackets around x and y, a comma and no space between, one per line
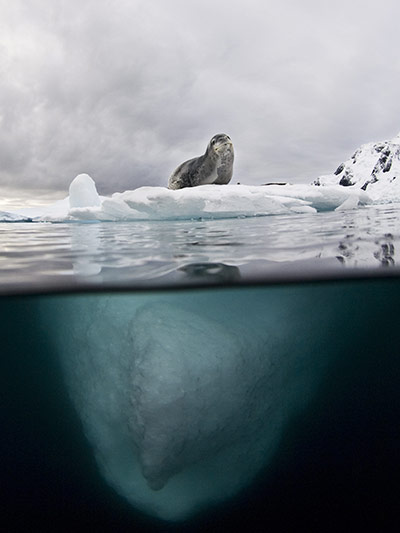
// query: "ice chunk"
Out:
[83,192]
[325,198]
[350,203]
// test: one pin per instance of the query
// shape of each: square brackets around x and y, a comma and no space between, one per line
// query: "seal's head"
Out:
[220,144]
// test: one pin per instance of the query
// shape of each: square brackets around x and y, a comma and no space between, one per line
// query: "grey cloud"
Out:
[126,90]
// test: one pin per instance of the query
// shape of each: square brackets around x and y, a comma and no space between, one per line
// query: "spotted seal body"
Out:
[215,166]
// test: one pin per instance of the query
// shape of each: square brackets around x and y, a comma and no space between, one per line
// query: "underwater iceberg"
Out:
[183,397]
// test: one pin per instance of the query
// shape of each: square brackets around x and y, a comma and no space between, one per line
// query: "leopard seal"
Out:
[215,166]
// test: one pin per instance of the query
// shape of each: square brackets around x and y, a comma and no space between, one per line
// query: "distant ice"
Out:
[53,212]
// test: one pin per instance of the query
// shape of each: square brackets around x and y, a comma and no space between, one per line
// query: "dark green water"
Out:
[336,462]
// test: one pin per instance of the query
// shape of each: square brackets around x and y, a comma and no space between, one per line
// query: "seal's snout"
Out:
[221,141]
[225,144]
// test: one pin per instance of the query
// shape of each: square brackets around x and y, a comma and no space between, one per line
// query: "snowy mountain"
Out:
[6,216]
[374,167]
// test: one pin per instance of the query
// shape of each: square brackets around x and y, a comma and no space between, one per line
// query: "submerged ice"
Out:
[184,397]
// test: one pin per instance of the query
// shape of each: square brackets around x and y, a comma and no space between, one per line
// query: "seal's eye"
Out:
[213,141]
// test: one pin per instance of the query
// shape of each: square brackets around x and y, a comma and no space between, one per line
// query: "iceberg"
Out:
[184,397]
[215,201]
[203,202]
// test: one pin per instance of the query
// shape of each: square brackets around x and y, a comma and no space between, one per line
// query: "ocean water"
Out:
[280,335]
[36,256]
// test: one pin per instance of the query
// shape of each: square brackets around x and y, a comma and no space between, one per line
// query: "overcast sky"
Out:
[125,90]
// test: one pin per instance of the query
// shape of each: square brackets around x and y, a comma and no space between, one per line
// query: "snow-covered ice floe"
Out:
[206,202]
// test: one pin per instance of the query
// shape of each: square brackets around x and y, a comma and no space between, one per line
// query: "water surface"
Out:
[154,253]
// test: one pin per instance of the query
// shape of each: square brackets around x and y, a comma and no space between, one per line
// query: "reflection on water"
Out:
[367,240]
[381,249]
[213,272]
[273,404]
[86,246]
[386,252]
[112,254]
